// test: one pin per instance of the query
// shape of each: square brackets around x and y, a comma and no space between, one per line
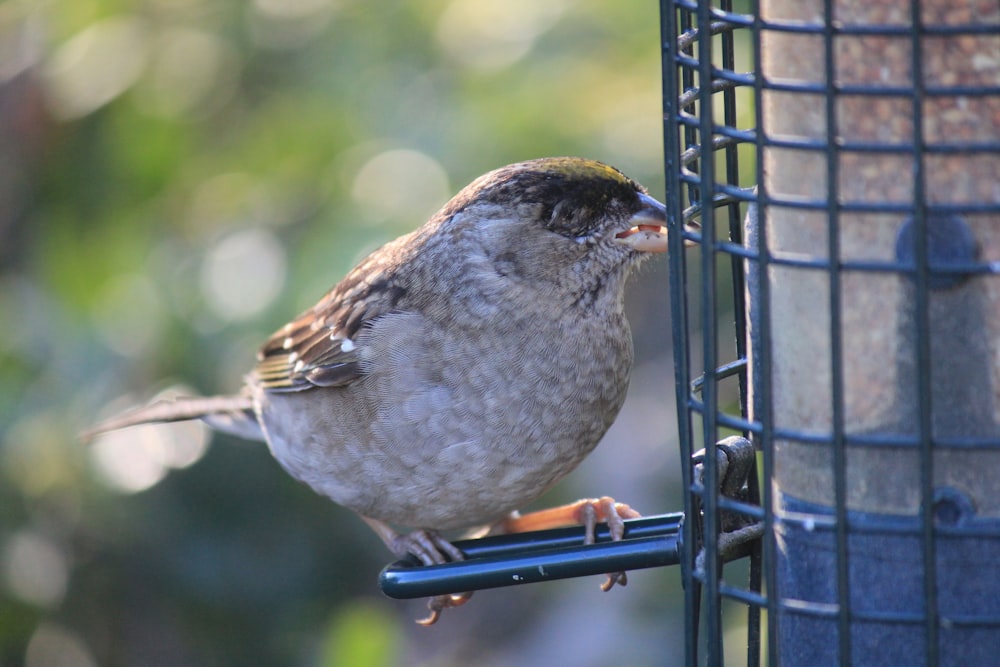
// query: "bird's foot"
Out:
[430,549]
[587,512]
[439,603]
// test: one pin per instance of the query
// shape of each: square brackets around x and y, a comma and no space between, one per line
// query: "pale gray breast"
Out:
[445,433]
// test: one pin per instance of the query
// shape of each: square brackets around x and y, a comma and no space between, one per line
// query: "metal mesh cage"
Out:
[841,311]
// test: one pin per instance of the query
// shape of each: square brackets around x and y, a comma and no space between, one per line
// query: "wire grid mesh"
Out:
[864,266]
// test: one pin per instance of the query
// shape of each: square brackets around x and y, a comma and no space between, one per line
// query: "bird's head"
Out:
[571,226]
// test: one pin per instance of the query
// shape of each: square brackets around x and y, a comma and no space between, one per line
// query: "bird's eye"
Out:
[586,240]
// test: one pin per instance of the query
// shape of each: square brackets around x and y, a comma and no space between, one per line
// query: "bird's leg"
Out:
[430,549]
[587,512]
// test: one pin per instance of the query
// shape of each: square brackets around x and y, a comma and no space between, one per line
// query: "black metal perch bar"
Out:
[546,555]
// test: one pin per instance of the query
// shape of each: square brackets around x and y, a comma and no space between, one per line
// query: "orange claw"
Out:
[439,603]
[587,512]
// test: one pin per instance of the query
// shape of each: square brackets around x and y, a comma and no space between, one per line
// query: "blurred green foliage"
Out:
[360,635]
[180,177]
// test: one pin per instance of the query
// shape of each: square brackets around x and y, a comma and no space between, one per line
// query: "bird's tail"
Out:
[231,414]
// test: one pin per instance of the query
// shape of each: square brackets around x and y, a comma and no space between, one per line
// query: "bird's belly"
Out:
[432,462]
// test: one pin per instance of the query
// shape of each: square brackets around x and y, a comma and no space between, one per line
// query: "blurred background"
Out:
[180,177]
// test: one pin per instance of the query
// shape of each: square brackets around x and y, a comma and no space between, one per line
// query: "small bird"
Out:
[460,371]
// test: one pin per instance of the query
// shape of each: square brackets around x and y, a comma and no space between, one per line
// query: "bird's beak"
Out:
[647,230]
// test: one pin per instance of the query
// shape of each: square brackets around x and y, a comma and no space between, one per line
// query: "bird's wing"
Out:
[318,349]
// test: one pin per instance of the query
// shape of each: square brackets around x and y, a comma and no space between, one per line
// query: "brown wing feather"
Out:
[317,348]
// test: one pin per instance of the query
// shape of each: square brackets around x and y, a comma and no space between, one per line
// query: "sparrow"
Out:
[458,372]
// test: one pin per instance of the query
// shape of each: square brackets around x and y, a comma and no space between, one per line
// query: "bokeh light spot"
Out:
[127,460]
[191,72]
[136,458]
[293,8]
[96,66]
[243,274]
[54,646]
[289,24]
[489,35]
[401,185]
[35,569]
